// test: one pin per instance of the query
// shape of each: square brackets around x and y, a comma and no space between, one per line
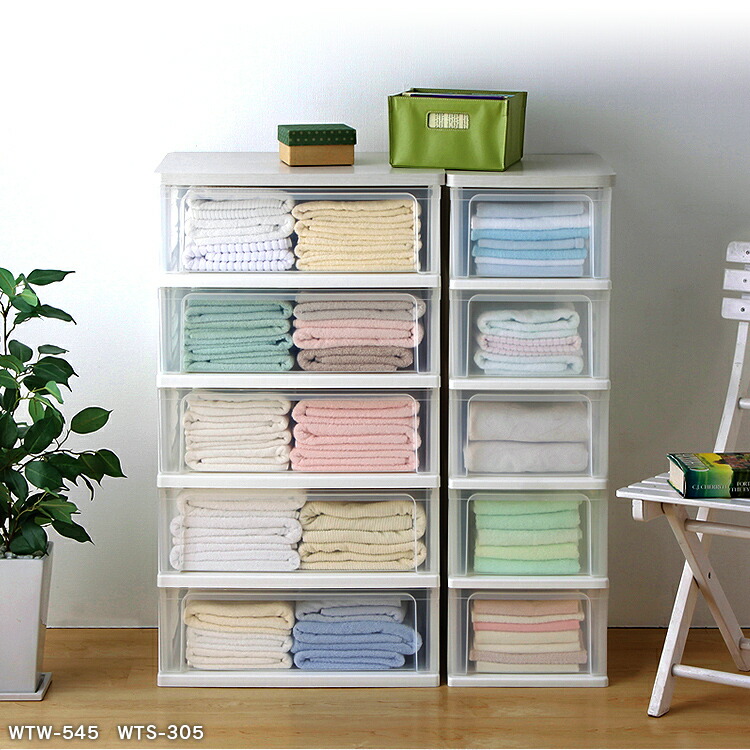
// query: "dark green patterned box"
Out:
[335,134]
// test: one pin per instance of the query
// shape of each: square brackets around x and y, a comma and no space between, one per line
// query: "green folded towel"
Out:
[516,537]
[206,306]
[280,364]
[491,566]
[567,551]
[522,507]
[564,519]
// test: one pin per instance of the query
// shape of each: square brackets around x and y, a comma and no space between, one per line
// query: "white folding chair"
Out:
[655,497]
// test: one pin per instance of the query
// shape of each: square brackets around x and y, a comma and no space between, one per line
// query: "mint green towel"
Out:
[563,519]
[232,335]
[567,551]
[485,566]
[517,537]
[522,507]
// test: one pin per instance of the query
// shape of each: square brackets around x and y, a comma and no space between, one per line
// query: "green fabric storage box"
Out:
[456,129]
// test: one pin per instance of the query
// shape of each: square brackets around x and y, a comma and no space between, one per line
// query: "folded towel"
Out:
[529,552]
[356,359]
[369,517]
[349,556]
[503,365]
[270,660]
[239,616]
[529,537]
[528,209]
[563,519]
[533,246]
[533,256]
[531,234]
[352,411]
[489,507]
[534,223]
[510,457]
[356,210]
[526,607]
[553,657]
[236,432]
[495,567]
[323,334]
[311,307]
[357,660]
[222,641]
[262,530]
[352,609]
[511,345]
[530,323]
[400,257]
[495,638]
[231,502]
[378,635]
[529,627]
[528,421]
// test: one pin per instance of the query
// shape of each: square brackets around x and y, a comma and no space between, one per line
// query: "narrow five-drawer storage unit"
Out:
[528,413]
[299,429]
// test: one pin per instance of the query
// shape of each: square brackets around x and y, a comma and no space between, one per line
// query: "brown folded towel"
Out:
[526,607]
[356,359]
[311,307]
[553,657]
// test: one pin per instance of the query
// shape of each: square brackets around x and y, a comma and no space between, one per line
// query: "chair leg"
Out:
[677,633]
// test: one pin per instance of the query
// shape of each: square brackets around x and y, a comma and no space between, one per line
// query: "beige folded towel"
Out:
[386,515]
[239,616]
[372,208]
[490,638]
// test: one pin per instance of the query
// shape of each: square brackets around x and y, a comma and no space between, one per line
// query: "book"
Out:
[703,475]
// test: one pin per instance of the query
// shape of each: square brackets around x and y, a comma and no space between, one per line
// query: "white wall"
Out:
[93,98]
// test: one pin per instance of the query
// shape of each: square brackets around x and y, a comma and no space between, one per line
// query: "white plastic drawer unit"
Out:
[303,532]
[552,536]
[225,431]
[309,230]
[528,434]
[532,638]
[284,331]
[530,233]
[313,638]
[529,335]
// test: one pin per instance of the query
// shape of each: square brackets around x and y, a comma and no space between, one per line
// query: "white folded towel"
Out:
[535,223]
[528,209]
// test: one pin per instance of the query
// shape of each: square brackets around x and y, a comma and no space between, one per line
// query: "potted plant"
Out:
[38,469]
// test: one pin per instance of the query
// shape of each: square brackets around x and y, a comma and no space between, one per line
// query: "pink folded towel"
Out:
[529,347]
[353,437]
[526,607]
[528,627]
[323,334]
[356,410]
[311,459]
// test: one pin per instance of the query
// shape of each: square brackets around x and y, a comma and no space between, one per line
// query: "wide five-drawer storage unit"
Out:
[528,423]
[299,443]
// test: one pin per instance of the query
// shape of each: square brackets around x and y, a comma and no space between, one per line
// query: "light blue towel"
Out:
[529,234]
[543,253]
[372,634]
[570,244]
[348,661]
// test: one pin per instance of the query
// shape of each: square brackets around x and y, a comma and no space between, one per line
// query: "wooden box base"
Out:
[316,156]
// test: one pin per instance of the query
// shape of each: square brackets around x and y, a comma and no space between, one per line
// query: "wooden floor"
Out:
[107,677]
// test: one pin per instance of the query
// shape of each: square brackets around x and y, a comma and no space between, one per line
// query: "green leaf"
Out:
[10,399]
[47,311]
[50,349]
[43,475]
[36,409]
[52,388]
[28,296]
[67,465]
[71,530]
[8,360]
[19,546]
[59,510]
[54,369]
[24,306]
[40,277]
[110,462]
[8,431]
[15,482]
[34,536]
[8,381]
[7,282]
[89,419]
[92,466]
[20,351]
[41,434]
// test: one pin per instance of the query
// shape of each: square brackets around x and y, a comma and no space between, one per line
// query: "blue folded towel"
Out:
[371,634]
[568,244]
[479,250]
[347,661]
[529,234]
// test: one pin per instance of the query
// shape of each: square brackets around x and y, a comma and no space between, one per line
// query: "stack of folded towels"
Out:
[238,231]
[237,335]
[527,537]
[384,535]
[236,431]
[236,530]
[366,236]
[530,239]
[222,634]
[539,437]
[350,434]
[533,342]
[353,634]
[357,335]
[532,636]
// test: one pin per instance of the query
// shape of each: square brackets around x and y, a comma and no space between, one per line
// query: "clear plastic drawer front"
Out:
[542,335]
[530,637]
[528,534]
[305,532]
[538,434]
[247,431]
[285,331]
[315,637]
[260,230]
[530,234]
